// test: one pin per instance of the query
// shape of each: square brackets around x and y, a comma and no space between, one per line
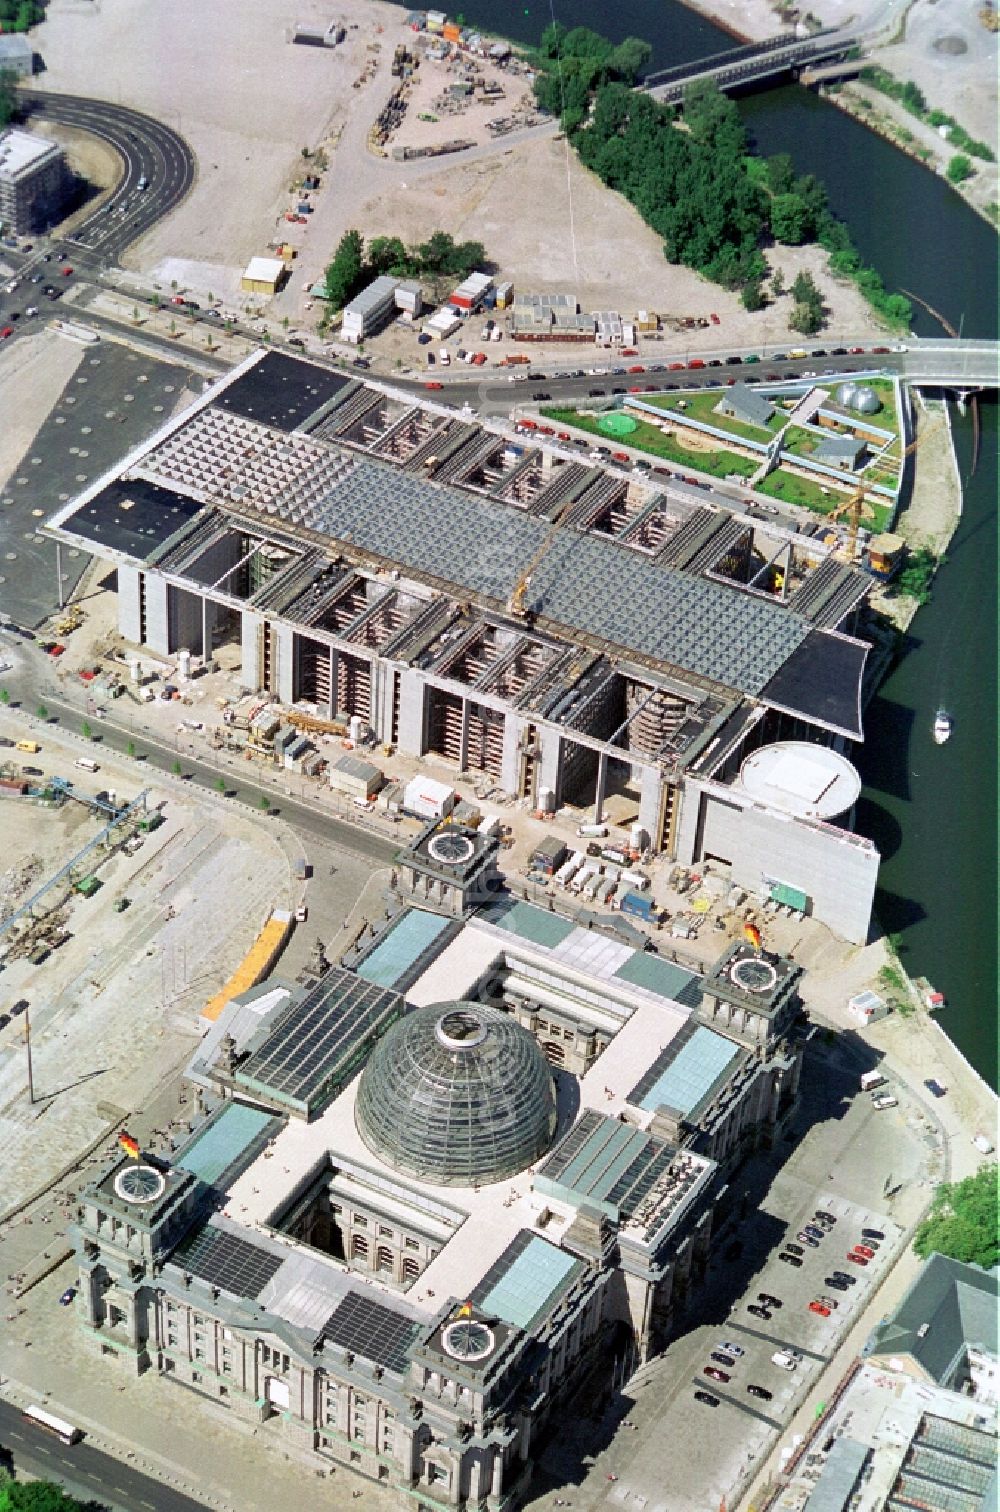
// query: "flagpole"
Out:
[27,1041]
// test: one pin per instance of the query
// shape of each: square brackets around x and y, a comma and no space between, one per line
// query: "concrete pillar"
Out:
[331,708]
[412,704]
[285,647]
[650,801]
[510,769]
[550,766]
[463,742]
[250,637]
[602,778]
[129,610]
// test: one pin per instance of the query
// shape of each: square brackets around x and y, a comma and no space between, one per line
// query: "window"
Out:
[359,1248]
[386,1233]
[265,1355]
[199,1352]
[336,1208]
[360,1221]
[388,1433]
[172,1337]
[384,1259]
[411,1268]
[223,1391]
[411,1243]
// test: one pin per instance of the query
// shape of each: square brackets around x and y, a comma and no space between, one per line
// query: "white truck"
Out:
[871,1079]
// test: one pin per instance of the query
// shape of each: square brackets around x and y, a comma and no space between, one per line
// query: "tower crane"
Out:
[516,604]
[857,506]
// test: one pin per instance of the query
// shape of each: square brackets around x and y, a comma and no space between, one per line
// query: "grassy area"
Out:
[793,489]
[649,438]
[700,405]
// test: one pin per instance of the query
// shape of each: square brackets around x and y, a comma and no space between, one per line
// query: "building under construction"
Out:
[582,634]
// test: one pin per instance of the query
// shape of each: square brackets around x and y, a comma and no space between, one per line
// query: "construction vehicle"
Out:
[72,620]
[857,508]
[517,603]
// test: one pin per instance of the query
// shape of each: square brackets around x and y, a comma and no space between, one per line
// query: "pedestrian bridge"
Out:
[752,63]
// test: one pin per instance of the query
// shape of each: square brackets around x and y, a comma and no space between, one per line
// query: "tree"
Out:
[264,802]
[752,295]
[42,713]
[804,289]
[790,221]
[37,1496]
[8,99]
[780,173]
[4,695]
[805,318]
[130,748]
[777,283]
[959,168]
[220,784]
[386,254]
[86,731]
[176,768]
[962,1222]
[345,273]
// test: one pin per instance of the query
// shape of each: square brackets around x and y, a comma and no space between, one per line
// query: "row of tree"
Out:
[571,65]
[18,15]
[713,204]
[8,99]
[439,257]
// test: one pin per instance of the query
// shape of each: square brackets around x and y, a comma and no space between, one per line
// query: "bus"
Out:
[52,1424]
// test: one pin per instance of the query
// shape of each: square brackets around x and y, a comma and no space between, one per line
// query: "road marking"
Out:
[739,1404]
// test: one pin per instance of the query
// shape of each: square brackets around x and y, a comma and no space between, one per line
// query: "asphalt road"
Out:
[86,1472]
[149,150]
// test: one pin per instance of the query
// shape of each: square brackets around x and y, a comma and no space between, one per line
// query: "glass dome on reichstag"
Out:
[457,1094]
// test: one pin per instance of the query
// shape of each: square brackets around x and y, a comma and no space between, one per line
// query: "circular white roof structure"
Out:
[799,778]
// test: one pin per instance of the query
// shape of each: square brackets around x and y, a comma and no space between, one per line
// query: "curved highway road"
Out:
[149,150]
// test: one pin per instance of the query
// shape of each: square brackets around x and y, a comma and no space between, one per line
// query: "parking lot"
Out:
[648,1449]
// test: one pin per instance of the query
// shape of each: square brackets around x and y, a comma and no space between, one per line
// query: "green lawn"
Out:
[700,405]
[793,489]
[649,438]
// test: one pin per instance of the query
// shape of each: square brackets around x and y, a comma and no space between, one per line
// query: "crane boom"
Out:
[516,602]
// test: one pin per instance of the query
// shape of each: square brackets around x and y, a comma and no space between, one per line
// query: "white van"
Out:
[87,764]
[872,1079]
[444,356]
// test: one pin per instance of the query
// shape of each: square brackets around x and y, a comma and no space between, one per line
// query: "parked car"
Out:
[794,1249]
[759,1312]
[760,1391]
[830,1302]
[817,1307]
[857,1259]
[706,1397]
[824,1217]
[791,1260]
[722,1359]
[879,1103]
[934,1087]
[716,1375]
[816,1233]
[67,1296]
[731,1349]
[865,1249]
[870,1233]
[768,1300]
[837,1285]
[805,1238]
[433,384]
[847,1279]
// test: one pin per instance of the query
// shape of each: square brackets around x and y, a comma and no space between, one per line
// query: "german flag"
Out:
[129,1145]
[752,935]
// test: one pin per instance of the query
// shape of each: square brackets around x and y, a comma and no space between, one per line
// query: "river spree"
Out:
[931,810]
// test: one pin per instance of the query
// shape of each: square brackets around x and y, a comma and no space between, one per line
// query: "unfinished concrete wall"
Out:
[412,721]
[285,639]
[185,620]
[157,615]
[129,604]
[251,672]
[836,870]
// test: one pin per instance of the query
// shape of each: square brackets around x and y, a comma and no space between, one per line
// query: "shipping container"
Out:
[639,906]
[428,799]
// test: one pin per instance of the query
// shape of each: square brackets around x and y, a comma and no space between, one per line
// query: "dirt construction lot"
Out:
[116,1007]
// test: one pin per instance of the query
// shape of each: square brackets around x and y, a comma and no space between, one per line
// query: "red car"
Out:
[714,318]
[717,1375]
[863,1249]
[696,362]
[66,271]
[620,456]
[674,367]
[635,389]
[637,368]
[563,436]
[880,350]
[858,1259]
[433,384]
[856,351]
[177,299]
[817,1307]
[546,430]
[7,331]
